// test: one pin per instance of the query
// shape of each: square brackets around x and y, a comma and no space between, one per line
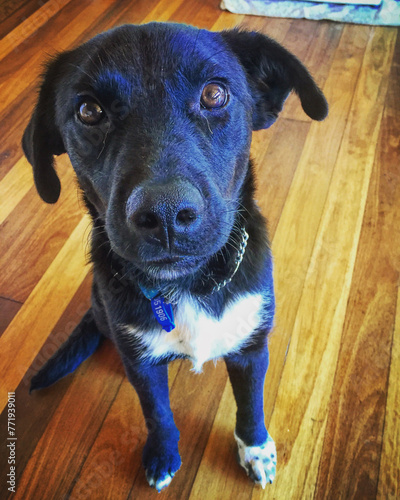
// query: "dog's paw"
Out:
[258,461]
[161,463]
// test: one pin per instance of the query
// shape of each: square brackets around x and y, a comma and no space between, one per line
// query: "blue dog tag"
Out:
[162,310]
[163,313]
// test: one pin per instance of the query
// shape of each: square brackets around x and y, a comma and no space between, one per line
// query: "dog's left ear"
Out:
[42,139]
[273,72]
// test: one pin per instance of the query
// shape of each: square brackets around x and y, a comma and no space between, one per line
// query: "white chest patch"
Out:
[199,335]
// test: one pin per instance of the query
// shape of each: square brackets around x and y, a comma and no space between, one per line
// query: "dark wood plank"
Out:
[68,437]
[389,467]
[8,309]
[14,12]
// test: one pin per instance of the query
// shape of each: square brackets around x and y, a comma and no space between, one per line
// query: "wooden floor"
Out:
[331,192]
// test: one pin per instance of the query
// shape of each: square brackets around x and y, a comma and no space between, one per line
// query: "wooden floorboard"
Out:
[389,160]
[357,408]
[8,309]
[331,193]
[14,12]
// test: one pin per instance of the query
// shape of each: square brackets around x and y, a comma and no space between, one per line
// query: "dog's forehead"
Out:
[132,54]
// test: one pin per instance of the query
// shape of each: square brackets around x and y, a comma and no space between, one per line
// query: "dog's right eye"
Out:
[90,113]
[214,96]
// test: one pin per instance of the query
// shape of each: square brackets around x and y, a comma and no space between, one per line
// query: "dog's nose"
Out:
[164,211]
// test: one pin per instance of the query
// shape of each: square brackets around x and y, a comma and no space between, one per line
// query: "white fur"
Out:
[258,461]
[160,483]
[199,335]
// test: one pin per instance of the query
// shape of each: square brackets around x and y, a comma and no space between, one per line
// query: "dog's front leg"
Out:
[256,448]
[160,455]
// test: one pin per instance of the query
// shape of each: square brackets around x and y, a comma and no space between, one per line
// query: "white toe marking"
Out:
[160,483]
[258,461]
[163,483]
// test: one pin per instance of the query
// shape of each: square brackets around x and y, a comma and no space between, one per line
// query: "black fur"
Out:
[169,185]
[83,342]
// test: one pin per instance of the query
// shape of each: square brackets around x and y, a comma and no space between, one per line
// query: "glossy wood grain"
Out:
[331,193]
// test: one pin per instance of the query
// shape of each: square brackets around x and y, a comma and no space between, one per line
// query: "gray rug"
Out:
[386,14]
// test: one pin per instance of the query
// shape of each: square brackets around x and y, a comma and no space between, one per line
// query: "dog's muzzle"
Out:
[165,215]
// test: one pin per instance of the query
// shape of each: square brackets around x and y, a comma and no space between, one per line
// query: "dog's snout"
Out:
[154,217]
[164,211]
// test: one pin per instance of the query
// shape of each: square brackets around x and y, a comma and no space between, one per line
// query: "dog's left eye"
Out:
[90,113]
[214,96]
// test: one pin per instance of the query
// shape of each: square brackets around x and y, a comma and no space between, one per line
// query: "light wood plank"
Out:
[227,21]
[14,186]
[220,455]
[163,11]
[308,374]
[274,176]
[29,329]
[38,409]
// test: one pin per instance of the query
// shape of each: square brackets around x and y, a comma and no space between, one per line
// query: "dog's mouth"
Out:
[169,268]
[166,261]
[165,266]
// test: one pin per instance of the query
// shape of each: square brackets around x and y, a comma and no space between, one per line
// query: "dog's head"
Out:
[157,122]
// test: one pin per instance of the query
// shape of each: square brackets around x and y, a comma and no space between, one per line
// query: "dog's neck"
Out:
[208,280]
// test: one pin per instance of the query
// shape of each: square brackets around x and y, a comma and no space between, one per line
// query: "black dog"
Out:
[157,121]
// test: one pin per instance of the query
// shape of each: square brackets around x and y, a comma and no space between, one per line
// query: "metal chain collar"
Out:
[238,261]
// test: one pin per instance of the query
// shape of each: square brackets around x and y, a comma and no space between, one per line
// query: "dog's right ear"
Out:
[42,139]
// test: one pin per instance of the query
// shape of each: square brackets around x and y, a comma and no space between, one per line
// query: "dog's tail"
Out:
[83,341]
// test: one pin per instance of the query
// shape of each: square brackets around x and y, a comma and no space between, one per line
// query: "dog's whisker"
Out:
[208,124]
[104,141]
[244,208]
[83,71]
